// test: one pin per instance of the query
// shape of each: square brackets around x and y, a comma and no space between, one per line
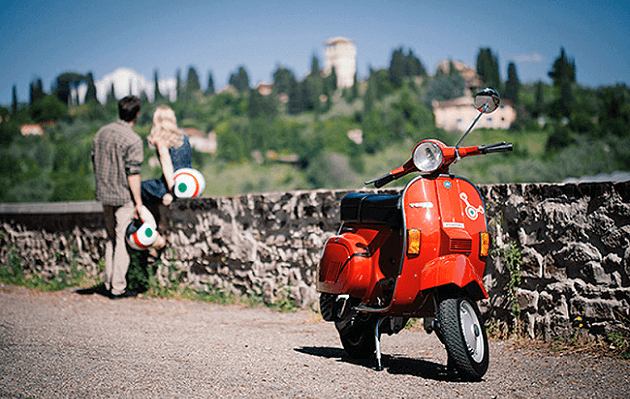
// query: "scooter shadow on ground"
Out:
[393,364]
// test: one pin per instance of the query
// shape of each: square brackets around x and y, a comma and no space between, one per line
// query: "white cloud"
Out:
[126,81]
[532,57]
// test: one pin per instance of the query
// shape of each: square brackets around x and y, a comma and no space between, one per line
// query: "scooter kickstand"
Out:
[377,341]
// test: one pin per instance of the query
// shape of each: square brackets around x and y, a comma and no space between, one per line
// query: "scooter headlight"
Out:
[427,157]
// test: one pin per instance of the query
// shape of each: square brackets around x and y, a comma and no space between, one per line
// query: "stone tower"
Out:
[342,54]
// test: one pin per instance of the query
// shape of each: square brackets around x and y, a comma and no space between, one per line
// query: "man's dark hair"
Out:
[128,108]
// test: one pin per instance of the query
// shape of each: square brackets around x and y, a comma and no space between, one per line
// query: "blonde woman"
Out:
[174,153]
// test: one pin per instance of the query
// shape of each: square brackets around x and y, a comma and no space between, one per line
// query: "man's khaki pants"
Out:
[117,218]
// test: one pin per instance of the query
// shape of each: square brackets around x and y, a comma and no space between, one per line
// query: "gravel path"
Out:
[64,345]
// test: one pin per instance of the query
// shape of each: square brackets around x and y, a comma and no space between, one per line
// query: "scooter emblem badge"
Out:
[447,184]
[470,210]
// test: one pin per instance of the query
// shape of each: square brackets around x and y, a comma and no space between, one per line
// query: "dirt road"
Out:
[64,345]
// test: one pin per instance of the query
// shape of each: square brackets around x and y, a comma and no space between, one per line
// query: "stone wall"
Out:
[573,239]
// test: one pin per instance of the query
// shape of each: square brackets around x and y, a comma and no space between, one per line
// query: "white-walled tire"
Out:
[464,336]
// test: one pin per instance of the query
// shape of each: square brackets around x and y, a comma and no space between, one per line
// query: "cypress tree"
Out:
[397,67]
[488,68]
[156,87]
[192,81]
[178,84]
[563,76]
[210,89]
[36,91]
[14,102]
[111,96]
[512,85]
[90,95]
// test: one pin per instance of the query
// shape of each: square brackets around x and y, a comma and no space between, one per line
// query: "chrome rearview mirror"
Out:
[487,100]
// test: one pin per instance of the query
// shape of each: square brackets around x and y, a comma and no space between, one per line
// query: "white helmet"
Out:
[189,183]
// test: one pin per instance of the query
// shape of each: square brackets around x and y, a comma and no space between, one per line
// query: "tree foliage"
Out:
[36,91]
[90,94]
[563,75]
[210,87]
[488,68]
[512,85]
[240,80]
[404,66]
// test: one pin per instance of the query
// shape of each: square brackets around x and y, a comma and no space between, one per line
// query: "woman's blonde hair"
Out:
[165,128]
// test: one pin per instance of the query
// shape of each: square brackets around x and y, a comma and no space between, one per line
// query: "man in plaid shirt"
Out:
[117,154]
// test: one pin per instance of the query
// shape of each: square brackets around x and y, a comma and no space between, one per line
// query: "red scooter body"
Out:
[438,243]
[418,254]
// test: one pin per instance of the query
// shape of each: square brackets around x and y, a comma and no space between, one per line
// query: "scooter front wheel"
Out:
[464,336]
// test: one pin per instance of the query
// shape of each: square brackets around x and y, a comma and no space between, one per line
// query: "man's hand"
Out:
[134,187]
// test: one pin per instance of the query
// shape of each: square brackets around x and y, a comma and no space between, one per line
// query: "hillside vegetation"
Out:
[563,130]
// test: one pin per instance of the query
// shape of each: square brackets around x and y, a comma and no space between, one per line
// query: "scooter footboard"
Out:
[345,266]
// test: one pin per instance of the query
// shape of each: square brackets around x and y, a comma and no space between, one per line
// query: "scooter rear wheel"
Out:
[356,332]
[464,336]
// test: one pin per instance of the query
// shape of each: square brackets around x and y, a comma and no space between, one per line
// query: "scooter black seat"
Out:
[371,208]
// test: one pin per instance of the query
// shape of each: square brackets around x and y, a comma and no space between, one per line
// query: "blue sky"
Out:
[43,38]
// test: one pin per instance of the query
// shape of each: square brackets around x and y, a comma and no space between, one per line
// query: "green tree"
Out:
[48,108]
[563,75]
[315,66]
[563,69]
[445,86]
[614,114]
[512,85]
[192,82]
[539,100]
[66,84]
[178,84]
[36,91]
[14,102]
[488,68]
[397,67]
[210,90]
[240,80]
[157,96]
[332,80]
[111,97]
[296,102]
[90,95]
[283,79]
[414,67]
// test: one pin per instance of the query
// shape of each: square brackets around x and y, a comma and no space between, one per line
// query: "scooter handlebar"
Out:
[382,180]
[497,147]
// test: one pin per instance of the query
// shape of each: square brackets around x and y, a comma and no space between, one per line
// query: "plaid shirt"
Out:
[116,153]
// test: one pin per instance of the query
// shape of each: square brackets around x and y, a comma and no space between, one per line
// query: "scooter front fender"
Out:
[453,269]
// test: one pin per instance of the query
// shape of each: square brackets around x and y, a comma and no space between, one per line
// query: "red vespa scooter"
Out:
[418,254]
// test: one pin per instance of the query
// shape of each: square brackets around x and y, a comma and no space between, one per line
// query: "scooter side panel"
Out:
[348,266]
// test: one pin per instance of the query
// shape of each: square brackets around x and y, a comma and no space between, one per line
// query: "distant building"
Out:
[457,115]
[265,88]
[200,141]
[35,129]
[356,135]
[341,53]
